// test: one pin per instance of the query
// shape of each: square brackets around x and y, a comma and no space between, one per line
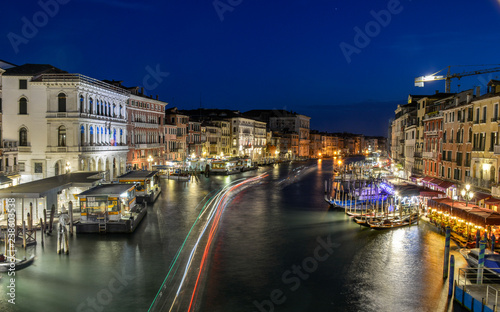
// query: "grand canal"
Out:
[278,248]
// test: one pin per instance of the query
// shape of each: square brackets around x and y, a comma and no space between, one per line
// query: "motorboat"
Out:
[491,259]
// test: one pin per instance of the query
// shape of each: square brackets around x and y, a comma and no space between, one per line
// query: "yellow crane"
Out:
[419,81]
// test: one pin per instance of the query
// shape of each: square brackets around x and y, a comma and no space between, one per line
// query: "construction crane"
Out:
[419,81]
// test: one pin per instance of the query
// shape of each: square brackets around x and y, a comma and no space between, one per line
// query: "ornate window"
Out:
[61,102]
[23,137]
[23,106]
[61,136]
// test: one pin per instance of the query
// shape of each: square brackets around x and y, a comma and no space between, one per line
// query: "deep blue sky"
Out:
[264,54]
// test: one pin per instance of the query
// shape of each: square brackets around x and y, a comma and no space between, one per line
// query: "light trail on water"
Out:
[213,208]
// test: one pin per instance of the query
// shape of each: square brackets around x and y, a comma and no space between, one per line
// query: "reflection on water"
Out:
[266,231]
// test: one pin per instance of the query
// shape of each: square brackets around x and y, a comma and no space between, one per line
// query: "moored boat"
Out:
[491,259]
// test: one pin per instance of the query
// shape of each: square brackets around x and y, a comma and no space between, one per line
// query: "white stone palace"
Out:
[63,122]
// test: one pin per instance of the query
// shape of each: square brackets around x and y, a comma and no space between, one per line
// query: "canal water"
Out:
[279,248]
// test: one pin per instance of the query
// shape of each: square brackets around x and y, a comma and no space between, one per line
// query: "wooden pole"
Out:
[52,213]
[58,239]
[42,229]
[45,220]
[24,234]
[70,210]
[30,219]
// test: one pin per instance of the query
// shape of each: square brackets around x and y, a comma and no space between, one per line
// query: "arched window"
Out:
[23,137]
[91,135]
[82,135]
[81,104]
[102,108]
[121,133]
[114,111]
[91,106]
[61,102]
[23,106]
[98,108]
[61,136]
[56,169]
[114,137]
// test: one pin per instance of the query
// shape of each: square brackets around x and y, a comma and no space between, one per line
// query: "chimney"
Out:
[437,91]
[142,90]
[157,97]
[478,91]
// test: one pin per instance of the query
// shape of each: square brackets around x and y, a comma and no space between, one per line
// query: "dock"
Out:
[120,226]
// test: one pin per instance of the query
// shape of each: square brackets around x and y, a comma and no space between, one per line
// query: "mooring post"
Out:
[52,213]
[452,276]
[45,220]
[493,240]
[446,252]
[70,211]
[24,234]
[478,238]
[66,240]
[480,263]
[30,219]
[42,229]
[58,238]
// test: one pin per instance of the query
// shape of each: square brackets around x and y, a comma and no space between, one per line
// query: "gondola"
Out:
[19,264]
[388,224]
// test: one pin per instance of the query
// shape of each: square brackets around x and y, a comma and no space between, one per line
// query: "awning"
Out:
[492,201]
[480,196]
[427,179]
[446,184]
[430,193]
[436,181]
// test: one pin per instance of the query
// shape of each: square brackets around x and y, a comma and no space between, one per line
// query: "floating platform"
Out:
[121,226]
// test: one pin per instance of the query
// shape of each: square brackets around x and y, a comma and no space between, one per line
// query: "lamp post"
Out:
[467,194]
[150,159]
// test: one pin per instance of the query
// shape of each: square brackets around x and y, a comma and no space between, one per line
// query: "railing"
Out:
[495,119]
[431,132]
[484,184]
[459,162]
[12,169]
[417,154]
[96,148]
[24,149]
[469,279]
[146,125]
[431,155]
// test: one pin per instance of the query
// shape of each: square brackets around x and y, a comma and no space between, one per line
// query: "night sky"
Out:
[242,54]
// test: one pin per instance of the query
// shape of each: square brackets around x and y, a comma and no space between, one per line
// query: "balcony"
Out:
[146,125]
[101,148]
[11,169]
[430,155]
[459,162]
[495,119]
[483,184]
[24,149]
[148,145]
[417,154]
[431,132]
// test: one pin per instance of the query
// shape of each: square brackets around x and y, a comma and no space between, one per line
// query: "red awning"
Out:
[430,193]
[446,184]
[427,179]
[436,181]
[492,201]
[480,196]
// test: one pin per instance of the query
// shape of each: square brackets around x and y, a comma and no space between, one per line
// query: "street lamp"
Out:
[467,195]
[150,159]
